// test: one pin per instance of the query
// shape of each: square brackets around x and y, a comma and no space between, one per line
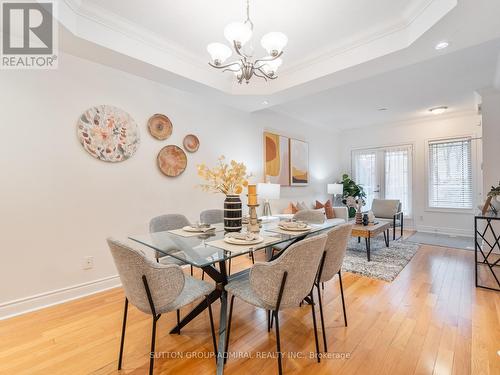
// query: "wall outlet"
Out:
[88,263]
[421,218]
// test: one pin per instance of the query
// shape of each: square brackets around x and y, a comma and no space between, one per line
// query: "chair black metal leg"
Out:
[153,340]
[325,345]
[214,341]
[122,341]
[323,286]
[229,268]
[268,314]
[315,327]
[191,270]
[401,222]
[251,256]
[342,295]
[203,275]
[178,320]
[359,239]
[278,342]
[229,328]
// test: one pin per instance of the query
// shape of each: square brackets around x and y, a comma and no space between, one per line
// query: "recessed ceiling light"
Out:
[438,110]
[382,109]
[265,102]
[442,45]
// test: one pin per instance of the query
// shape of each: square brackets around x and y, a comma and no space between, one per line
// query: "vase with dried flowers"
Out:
[228,179]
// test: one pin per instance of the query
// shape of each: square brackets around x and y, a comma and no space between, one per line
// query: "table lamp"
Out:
[268,191]
[335,189]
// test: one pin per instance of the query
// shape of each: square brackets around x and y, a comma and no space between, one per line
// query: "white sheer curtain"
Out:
[365,173]
[450,174]
[385,172]
[397,173]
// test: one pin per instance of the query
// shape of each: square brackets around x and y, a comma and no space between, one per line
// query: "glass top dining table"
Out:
[199,250]
[207,251]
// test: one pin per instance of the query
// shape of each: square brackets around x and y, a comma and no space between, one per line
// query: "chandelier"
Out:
[238,34]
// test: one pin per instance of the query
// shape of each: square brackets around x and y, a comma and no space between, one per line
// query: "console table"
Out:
[487,261]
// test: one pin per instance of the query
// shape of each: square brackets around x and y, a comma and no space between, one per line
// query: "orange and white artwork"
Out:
[108,133]
[299,163]
[276,159]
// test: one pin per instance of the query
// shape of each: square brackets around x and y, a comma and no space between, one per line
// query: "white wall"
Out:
[491,138]
[58,204]
[418,134]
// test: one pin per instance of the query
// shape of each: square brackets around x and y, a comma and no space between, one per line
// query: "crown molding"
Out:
[100,26]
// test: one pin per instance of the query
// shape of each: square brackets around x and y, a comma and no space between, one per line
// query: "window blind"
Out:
[450,174]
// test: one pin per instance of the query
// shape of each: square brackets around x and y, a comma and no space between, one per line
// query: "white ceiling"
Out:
[345,58]
[325,36]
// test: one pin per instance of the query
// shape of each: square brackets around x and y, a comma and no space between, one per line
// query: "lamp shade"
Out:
[272,66]
[274,42]
[335,189]
[238,32]
[219,52]
[268,191]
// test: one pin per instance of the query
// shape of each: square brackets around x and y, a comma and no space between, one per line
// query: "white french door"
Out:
[385,172]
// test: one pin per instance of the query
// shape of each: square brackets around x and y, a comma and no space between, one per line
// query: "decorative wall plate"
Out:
[191,143]
[172,160]
[160,126]
[108,133]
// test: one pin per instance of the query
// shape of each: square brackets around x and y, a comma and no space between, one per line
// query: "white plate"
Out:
[235,241]
[189,228]
[295,229]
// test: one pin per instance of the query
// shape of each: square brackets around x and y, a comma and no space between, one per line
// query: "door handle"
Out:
[376,191]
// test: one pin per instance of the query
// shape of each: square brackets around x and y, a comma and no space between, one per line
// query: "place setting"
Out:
[291,227]
[241,241]
[197,229]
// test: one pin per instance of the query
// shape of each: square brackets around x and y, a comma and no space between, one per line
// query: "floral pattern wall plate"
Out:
[108,133]
[172,160]
[191,143]
[160,126]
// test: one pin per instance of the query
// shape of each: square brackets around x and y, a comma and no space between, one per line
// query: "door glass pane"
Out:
[365,173]
[397,176]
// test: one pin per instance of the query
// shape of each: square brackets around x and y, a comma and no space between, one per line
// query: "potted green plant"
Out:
[353,190]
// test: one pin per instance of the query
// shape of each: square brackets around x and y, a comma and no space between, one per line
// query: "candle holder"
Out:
[253,223]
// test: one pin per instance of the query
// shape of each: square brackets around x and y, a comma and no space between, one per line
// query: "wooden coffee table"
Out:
[370,231]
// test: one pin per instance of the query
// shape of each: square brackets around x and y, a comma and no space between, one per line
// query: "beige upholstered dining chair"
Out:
[310,216]
[213,216]
[335,250]
[154,288]
[281,284]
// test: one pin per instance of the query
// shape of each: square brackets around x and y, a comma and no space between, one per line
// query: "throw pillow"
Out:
[301,206]
[330,214]
[291,209]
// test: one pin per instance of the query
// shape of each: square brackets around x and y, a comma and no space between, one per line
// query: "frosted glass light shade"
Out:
[268,191]
[219,52]
[335,189]
[274,42]
[238,32]
[272,66]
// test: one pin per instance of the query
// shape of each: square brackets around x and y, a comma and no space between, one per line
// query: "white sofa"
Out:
[341,216]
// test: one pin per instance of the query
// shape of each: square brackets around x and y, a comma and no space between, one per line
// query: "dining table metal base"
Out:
[221,279]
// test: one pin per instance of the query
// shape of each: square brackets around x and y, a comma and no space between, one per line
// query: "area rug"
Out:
[438,239]
[386,262]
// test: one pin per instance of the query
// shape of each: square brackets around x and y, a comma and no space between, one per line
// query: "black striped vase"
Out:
[232,213]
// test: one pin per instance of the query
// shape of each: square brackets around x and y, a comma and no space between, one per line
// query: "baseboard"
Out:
[20,306]
[447,231]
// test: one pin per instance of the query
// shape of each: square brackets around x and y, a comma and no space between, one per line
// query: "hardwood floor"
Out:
[430,320]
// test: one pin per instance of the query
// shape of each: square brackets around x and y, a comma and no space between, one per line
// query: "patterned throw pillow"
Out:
[330,214]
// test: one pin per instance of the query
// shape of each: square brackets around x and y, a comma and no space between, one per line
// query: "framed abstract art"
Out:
[299,163]
[276,159]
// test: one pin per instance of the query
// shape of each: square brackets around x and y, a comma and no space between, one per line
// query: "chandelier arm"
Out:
[258,75]
[264,59]
[224,66]
[231,70]
[239,52]
[267,76]
[248,15]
